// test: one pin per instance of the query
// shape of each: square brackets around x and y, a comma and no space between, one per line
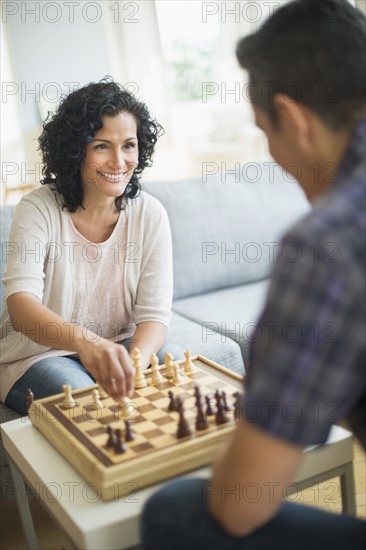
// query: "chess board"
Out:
[80,433]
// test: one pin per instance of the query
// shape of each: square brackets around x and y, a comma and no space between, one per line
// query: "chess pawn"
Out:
[177,377]
[183,427]
[168,360]
[111,441]
[69,402]
[119,446]
[209,409]
[102,393]
[156,377]
[125,404]
[130,435]
[188,362]
[96,400]
[139,380]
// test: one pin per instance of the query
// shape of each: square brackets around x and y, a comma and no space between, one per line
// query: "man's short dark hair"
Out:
[313,51]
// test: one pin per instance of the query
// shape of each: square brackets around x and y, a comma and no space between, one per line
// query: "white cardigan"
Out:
[38,261]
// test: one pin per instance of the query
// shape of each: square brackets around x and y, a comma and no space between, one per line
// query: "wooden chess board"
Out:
[80,433]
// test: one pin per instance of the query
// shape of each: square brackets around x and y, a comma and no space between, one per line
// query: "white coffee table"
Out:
[91,523]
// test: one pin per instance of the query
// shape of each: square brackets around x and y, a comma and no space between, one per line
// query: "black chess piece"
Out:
[111,437]
[226,406]
[237,406]
[130,435]
[209,409]
[119,446]
[183,427]
[197,394]
[173,402]
[221,417]
[201,419]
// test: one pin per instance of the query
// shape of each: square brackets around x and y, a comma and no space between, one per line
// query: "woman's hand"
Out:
[110,365]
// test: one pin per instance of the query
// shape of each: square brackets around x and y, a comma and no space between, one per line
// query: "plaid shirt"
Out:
[307,359]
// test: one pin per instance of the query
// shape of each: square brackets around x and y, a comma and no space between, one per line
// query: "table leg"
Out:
[23,506]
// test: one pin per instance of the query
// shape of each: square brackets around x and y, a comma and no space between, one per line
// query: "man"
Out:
[307,69]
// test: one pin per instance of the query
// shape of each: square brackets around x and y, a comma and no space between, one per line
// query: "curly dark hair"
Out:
[79,116]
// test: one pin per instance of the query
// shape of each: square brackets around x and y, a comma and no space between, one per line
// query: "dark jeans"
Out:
[176,517]
[47,376]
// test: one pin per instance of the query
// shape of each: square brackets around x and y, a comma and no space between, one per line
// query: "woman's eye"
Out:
[101,146]
[130,145]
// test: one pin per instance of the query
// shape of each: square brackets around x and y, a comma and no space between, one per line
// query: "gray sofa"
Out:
[225,229]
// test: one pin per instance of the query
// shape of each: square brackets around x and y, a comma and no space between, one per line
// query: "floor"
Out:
[50,537]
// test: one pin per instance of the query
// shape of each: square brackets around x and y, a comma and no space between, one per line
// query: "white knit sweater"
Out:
[39,261]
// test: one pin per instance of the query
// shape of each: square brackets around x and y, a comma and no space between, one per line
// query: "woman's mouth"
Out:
[115,178]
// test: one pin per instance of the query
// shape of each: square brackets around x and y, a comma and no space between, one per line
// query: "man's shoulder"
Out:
[338,217]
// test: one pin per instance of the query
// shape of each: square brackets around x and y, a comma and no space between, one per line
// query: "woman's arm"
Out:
[107,362]
[149,337]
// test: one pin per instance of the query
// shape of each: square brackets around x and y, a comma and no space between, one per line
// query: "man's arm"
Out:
[255,467]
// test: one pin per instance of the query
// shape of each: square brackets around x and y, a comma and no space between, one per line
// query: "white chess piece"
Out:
[96,399]
[177,378]
[102,393]
[139,380]
[188,362]
[126,407]
[156,377]
[168,360]
[69,402]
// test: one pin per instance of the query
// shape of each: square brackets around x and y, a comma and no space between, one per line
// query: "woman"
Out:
[92,264]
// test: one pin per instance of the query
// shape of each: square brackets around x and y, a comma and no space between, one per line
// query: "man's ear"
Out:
[295,119]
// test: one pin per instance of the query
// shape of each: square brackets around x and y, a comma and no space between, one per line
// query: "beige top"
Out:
[108,287]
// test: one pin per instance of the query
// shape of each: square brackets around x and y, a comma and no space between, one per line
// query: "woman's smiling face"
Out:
[111,157]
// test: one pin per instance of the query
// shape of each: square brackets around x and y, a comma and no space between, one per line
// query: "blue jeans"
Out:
[47,376]
[177,517]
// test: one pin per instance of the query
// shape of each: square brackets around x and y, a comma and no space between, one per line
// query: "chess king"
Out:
[71,321]
[306,67]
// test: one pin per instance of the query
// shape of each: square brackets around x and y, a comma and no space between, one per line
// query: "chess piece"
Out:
[209,409]
[130,435]
[177,378]
[96,400]
[119,446]
[29,396]
[156,376]
[188,362]
[197,395]
[126,406]
[111,441]
[201,419]
[183,427]
[168,360]
[237,406]
[226,406]
[139,380]
[221,417]
[173,402]
[102,393]
[69,402]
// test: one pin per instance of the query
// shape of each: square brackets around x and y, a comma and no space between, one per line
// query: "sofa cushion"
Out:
[233,312]
[225,229]
[188,334]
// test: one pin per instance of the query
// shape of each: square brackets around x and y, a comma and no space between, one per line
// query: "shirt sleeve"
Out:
[305,369]
[155,286]
[25,251]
